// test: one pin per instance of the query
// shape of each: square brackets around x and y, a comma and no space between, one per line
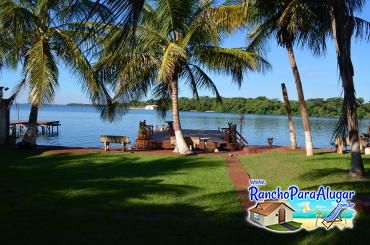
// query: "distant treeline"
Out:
[261,105]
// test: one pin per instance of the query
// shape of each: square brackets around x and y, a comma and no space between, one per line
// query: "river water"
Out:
[82,125]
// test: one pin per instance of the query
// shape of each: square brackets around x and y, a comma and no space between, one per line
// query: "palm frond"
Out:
[18,20]
[231,17]
[260,35]
[230,61]
[42,72]
[74,58]
[189,78]
[174,13]
[19,87]
[362,28]
[172,57]
[196,78]
[162,94]
[79,65]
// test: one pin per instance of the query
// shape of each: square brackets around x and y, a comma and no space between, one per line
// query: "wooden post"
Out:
[293,142]
[106,146]
[123,146]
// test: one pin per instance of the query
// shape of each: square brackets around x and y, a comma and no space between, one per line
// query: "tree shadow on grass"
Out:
[336,156]
[75,178]
[323,153]
[66,199]
[323,172]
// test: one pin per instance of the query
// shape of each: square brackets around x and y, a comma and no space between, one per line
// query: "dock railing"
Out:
[231,135]
[242,141]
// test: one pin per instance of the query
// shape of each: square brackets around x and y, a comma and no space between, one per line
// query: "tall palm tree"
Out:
[293,141]
[267,17]
[175,42]
[343,26]
[337,19]
[43,33]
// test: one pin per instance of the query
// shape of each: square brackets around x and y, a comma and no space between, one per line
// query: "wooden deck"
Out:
[162,140]
[212,134]
[40,123]
[46,126]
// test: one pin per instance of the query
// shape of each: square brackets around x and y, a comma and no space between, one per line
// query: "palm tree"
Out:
[269,22]
[336,19]
[319,214]
[43,33]
[293,142]
[344,24]
[175,42]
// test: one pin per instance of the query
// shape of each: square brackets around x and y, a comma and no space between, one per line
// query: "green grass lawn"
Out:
[287,168]
[279,227]
[129,199]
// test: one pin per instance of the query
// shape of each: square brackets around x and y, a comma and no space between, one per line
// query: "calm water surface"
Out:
[82,126]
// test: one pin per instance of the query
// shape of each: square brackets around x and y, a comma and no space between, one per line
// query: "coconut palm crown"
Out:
[276,19]
[338,20]
[44,33]
[176,41]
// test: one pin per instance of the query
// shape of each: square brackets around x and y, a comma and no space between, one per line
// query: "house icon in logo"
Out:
[271,213]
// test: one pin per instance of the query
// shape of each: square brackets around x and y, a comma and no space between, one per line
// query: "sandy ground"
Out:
[310,224]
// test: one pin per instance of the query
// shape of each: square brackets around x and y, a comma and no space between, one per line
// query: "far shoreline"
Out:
[142,108]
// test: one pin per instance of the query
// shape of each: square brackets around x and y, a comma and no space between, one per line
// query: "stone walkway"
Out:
[289,226]
[240,179]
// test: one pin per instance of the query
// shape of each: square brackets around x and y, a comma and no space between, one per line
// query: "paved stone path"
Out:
[240,179]
[289,226]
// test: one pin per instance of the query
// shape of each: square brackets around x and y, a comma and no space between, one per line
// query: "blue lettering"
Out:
[312,195]
[280,194]
[273,195]
[321,193]
[253,191]
[351,194]
[338,196]
[293,191]
[286,195]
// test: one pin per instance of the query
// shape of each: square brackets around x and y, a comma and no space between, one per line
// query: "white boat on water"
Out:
[151,107]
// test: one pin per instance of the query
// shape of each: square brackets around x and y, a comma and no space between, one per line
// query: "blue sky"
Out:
[319,75]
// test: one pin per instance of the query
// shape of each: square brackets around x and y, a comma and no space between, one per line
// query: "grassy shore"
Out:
[99,198]
[294,168]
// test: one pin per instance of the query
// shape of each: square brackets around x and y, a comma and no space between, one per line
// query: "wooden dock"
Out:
[46,126]
[162,140]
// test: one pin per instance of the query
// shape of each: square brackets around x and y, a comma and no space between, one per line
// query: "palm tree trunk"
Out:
[302,102]
[29,138]
[342,34]
[293,142]
[181,146]
[4,121]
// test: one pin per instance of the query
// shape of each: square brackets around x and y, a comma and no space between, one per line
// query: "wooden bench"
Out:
[108,139]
